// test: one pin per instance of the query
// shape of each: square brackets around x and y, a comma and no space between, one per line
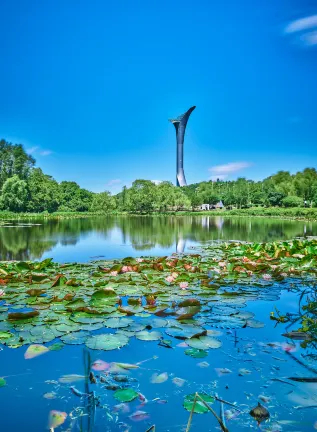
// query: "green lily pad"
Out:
[107,341]
[2,382]
[204,342]
[126,395]
[184,331]
[199,408]
[148,336]
[117,322]
[196,353]
[75,338]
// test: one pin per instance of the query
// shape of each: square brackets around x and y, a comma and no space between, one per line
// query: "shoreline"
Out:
[299,214]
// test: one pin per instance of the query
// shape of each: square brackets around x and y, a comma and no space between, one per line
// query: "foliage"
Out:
[14,194]
[14,161]
[103,202]
[44,192]
[292,201]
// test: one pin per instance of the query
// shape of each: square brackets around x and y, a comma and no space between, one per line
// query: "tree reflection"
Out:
[143,232]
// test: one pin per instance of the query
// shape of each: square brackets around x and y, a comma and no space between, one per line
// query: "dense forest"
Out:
[25,188]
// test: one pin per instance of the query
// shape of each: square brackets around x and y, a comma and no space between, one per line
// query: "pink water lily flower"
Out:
[139,260]
[183,285]
[125,269]
[114,273]
[284,274]
[169,279]
[267,277]
[175,275]
[222,264]
[2,292]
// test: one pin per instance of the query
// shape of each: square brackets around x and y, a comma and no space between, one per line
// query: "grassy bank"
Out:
[6,215]
[275,212]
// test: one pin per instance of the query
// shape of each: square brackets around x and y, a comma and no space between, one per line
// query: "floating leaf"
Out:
[243,372]
[117,322]
[50,395]
[222,371]
[196,353]
[139,416]
[126,395]
[178,381]
[203,364]
[148,336]
[199,408]
[75,338]
[35,351]
[68,379]
[107,342]
[2,382]
[159,378]
[13,316]
[56,347]
[185,331]
[100,365]
[204,342]
[56,418]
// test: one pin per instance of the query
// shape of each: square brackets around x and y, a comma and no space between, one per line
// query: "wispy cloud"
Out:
[45,152]
[222,171]
[31,150]
[114,182]
[304,30]
[38,151]
[301,24]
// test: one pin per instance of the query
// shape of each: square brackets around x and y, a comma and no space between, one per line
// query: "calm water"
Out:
[23,407]
[116,237]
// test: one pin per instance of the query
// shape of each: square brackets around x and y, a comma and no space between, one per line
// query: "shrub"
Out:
[292,201]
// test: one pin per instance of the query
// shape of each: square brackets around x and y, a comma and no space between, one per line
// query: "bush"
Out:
[292,201]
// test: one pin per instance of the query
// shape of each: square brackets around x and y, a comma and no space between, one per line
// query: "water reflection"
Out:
[87,237]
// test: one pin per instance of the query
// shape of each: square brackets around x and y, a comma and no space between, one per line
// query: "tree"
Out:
[103,202]
[14,161]
[275,198]
[142,196]
[73,198]
[14,194]
[44,192]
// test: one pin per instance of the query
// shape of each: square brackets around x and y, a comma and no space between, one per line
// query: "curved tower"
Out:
[180,126]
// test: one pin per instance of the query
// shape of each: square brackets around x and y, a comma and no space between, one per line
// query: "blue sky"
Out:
[88,86]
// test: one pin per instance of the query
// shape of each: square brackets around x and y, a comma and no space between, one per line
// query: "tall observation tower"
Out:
[180,126]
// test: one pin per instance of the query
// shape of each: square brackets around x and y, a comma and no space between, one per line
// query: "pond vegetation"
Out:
[183,303]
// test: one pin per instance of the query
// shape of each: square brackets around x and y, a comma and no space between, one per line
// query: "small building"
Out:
[218,206]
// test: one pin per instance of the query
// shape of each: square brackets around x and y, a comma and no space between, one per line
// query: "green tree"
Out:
[103,202]
[73,198]
[14,194]
[14,161]
[44,192]
[142,196]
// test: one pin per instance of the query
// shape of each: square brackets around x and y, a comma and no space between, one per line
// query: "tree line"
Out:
[25,188]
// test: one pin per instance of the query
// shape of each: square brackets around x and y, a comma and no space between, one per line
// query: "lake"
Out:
[84,239]
[252,365]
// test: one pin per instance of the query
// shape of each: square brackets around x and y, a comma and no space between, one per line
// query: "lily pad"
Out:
[35,351]
[126,395]
[204,342]
[148,336]
[2,382]
[159,378]
[107,342]
[196,353]
[199,408]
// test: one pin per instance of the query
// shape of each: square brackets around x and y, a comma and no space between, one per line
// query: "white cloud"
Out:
[229,168]
[304,30]
[45,152]
[31,150]
[301,24]
[114,182]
